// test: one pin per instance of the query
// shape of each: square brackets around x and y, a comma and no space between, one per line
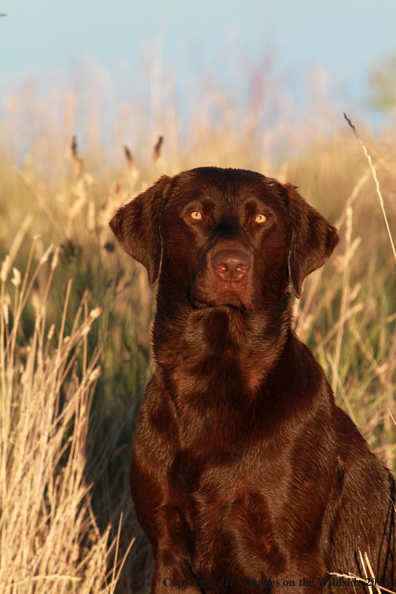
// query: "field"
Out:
[76,312]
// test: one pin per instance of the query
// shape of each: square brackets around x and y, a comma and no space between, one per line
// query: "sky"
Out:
[342,38]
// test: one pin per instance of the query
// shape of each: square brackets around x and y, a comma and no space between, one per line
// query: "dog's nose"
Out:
[231,265]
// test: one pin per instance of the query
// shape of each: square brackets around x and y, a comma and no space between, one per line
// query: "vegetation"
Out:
[75,314]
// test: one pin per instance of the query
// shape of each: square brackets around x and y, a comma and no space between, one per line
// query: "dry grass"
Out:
[49,538]
[74,355]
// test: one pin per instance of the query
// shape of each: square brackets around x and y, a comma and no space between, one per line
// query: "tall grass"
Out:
[46,513]
[75,314]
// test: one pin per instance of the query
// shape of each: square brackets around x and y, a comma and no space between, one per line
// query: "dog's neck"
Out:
[246,345]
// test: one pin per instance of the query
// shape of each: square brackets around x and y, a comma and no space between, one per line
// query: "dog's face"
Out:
[224,237]
[233,238]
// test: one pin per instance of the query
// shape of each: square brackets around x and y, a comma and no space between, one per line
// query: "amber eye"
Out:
[196,215]
[260,218]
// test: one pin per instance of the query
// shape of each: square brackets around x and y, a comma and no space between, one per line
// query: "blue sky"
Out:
[196,36]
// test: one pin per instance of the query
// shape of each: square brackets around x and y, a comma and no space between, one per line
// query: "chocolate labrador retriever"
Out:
[244,472]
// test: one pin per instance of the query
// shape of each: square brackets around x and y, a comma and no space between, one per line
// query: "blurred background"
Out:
[99,99]
[108,72]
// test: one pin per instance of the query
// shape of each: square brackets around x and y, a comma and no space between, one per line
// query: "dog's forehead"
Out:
[229,187]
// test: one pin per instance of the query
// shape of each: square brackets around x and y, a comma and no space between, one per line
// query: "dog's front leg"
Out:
[172,546]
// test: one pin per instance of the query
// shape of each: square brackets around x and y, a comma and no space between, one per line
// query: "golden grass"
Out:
[377,185]
[74,354]
[46,542]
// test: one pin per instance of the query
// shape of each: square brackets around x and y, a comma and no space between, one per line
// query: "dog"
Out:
[244,472]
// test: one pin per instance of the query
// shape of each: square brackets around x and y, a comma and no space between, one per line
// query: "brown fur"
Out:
[243,468]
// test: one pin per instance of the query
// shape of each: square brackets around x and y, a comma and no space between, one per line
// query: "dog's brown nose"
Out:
[231,265]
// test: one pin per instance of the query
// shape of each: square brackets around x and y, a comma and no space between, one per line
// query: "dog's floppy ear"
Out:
[313,239]
[137,227]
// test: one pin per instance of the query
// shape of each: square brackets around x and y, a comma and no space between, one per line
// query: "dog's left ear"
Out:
[313,239]
[137,227]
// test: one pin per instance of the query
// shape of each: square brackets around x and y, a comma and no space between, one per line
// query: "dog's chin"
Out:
[230,300]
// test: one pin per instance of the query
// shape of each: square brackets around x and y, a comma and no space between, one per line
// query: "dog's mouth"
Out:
[230,300]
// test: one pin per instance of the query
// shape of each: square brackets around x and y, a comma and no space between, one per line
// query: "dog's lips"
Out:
[235,304]
[224,297]
[229,299]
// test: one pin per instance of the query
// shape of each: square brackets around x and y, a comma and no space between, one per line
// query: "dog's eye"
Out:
[196,215]
[260,218]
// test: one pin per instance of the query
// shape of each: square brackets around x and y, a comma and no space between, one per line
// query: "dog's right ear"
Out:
[137,227]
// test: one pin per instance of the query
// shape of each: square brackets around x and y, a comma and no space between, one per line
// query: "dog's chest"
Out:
[229,499]
[234,515]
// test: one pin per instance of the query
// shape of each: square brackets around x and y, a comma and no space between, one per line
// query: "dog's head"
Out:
[224,236]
